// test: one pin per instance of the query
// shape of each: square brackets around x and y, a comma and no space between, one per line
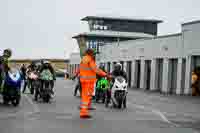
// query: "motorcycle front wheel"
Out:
[119,104]
[124,102]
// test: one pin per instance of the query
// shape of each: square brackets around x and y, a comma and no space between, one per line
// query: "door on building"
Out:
[196,62]
[108,67]
[147,74]
[159,74]
[129,66]
[122,63]
[183,76]
[173,64]
[114,63]
[137,71]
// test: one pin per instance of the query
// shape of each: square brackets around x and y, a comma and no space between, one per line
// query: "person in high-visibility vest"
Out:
[88,71]
[195,83]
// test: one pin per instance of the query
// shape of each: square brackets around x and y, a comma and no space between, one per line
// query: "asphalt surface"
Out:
[145,113]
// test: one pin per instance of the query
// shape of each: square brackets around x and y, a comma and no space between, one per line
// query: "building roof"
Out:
[29,60]
[115,34]
[169,35]
[120,19]
[191,22]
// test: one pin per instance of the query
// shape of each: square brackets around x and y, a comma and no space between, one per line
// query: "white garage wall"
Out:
[149,48]
[191,35]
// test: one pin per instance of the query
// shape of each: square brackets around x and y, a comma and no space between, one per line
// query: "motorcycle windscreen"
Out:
[120,79]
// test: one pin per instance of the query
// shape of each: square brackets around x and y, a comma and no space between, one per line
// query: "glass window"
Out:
[101,21]
[96,22]
[97,48]
[101,27]
[95,26]
[90,44]
[95,44]
[87,44]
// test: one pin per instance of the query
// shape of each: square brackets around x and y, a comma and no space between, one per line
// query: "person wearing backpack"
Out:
[46,66]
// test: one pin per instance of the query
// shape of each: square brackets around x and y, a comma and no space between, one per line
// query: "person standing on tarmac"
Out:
[88,71]
[32,67]
[4,67]
[23,73]
[196,82]
[78,85]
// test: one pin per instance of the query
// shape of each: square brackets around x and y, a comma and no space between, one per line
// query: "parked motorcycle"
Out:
[119,92]
[12,87]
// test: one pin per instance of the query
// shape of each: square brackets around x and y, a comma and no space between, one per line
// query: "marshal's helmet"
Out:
[91,52]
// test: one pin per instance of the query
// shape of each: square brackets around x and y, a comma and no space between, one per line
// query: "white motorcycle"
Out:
[119,92]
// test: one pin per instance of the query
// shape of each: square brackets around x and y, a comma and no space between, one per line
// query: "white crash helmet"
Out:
[46,62]
[118,66]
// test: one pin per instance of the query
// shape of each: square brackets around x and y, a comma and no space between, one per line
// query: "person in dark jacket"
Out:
[23,73]
[32,67]
[4,67]
[78,85]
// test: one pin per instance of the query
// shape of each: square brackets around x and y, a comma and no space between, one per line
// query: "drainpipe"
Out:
[118,42]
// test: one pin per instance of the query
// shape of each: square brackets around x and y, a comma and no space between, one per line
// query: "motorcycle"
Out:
[46,85]
[119,92]
[12,87]
[102,87]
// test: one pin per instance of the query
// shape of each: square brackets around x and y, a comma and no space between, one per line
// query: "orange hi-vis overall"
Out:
[88,71]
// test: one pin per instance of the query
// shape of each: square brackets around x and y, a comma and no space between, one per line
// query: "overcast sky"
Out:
[36,28]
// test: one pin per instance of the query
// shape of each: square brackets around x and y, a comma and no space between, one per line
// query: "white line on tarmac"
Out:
[155,111]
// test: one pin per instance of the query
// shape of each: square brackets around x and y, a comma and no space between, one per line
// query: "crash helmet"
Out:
[46,62]
[7,53]
[102,67]
[118,66]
